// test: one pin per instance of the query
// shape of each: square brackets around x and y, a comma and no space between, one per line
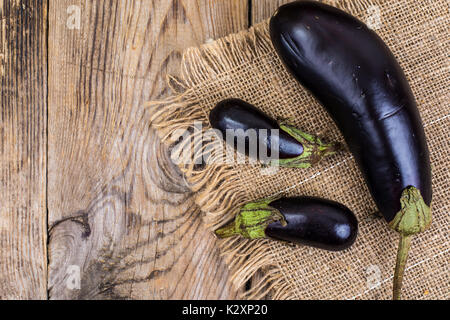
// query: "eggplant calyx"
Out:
[414,217]
[252,220]
[314,149]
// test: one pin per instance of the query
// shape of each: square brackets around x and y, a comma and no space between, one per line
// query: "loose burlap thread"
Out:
[245,66]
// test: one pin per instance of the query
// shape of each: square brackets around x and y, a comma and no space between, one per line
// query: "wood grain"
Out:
[23,101]
[118,210]
[263,9]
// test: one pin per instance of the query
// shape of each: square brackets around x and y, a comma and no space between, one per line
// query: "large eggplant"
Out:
[354,75]
[283,144]
[308,221]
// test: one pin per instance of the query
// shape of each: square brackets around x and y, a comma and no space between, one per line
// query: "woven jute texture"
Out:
[245,66]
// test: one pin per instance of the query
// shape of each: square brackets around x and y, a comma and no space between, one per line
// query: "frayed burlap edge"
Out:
[243,257]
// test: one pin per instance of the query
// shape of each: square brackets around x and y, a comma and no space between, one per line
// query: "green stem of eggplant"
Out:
[228,230]
[252,220]
[413,217]
[314,149]
[402,257]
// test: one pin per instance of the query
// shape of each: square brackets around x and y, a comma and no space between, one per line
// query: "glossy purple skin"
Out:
[354,75]
[314,222]
[237,114]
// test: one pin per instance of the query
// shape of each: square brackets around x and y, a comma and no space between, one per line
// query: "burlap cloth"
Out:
[245,66]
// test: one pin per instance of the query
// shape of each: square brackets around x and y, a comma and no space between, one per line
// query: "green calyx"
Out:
[414,217]
[313,148]
[252,220]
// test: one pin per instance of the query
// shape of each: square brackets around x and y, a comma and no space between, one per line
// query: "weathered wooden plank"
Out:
[23,101]
[119,213]
[263,9]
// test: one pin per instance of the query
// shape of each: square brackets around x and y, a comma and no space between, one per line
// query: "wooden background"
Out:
[85,184]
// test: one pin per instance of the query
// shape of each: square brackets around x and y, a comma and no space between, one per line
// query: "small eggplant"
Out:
[354,75]
[295,148]
[310,221]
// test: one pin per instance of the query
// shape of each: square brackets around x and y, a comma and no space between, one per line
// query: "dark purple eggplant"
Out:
[295,148]
[310,221]
[354,75]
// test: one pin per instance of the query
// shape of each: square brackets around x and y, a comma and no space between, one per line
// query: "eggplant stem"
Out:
[251,220]
[402,257]
[226,231]
[314,149]
[413,217]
